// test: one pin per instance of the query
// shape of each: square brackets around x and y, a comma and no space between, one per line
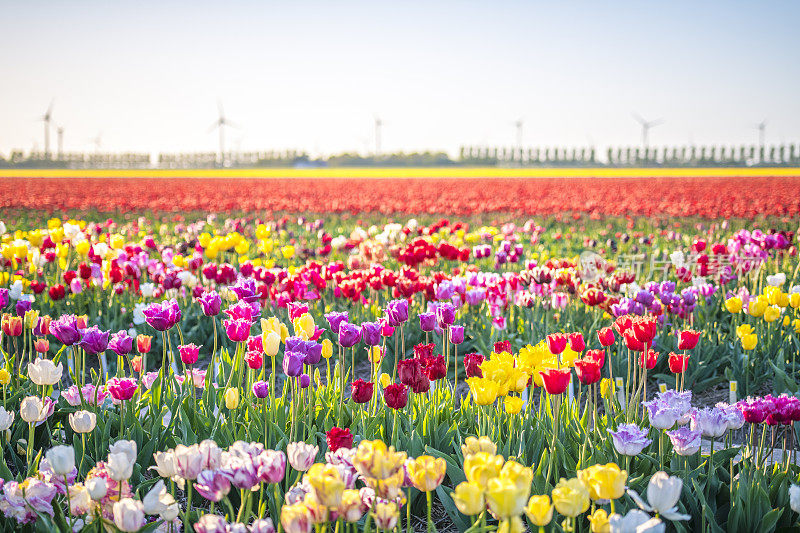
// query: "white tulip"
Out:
[128,515]
[82,421]
[301,455]
[188,460]
[2,228]
[147,289]
[119,467]
[31,409]
[61,459]
[171,512]
[211,453]
[635,521]
[776,280]
[794,498]
[44,372]
[6,419]
[663,493]
[165,464]
[128,447]
[97,487]
[677,258]
[158,501]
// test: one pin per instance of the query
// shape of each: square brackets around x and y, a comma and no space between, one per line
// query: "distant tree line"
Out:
[677,156]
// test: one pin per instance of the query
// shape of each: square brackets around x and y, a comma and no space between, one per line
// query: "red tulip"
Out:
[688,339]
[555,380]
[596,355]
[556,342]
[678,363]
[502,346]
[361,391]
[472,365]
[623,324]
[605,336]
[396,395]
[652,359]
[587,370]
[576,342]
[339,438]
[632,342]
[645,329]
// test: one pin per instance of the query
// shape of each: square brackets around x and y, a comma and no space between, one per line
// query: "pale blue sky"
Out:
[311,75]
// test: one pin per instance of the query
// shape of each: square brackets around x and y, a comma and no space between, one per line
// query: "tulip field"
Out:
[419,354]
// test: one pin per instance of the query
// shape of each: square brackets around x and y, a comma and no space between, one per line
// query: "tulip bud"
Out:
[327,348]
[272,343]
[232,398]
[143,343]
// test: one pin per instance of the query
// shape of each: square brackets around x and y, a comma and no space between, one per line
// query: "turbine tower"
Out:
[646,125]
[518,124]
[60,133]
[762,130]
[220,124]
[47,118]
[378,126]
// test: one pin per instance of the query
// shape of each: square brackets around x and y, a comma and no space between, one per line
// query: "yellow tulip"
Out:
[326,484]
[506,498]
[5,377]
[351,506]
[386,515]
[607,388]
[117,241]
[539,510]
[468,498]
[82,247]
[480,467]
[295,518]
[520,475]
[484,390]
[772,313]
[512,525]
[426,472]
[375,354]
[473,445]
[733,304]
[385,380]
[513,404]
[757,308]
[232,398]
[287,252]
[599,521]
[31,318]
[304,325]
[327,348]
[374,459]
[796,325]
[570,497]
[271,342]
[605,482]
[794,300]
[749,341]
[744,329]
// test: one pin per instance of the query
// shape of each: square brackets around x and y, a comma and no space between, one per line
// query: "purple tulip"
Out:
[211,523]
[313,353]
[295,344]
[456,334]
[245,289]
[710,422]
[397,312]
[261,389]
[335,320]
[661,414]
[94,340]
[3,297]
[445,314]
[349,335]
[629,439]
[211,302]
[65,329]
[162,316]
[213,485]
[121,343]
[305,381]
[475,296]
[23,306]
[427,321]
[292,364]
[371,332]
[685,441]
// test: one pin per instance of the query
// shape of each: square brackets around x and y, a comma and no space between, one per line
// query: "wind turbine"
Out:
[762,129]
[646,125]
[60,133]
[47,118]
[378,126]
[220,124]
[518,124]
